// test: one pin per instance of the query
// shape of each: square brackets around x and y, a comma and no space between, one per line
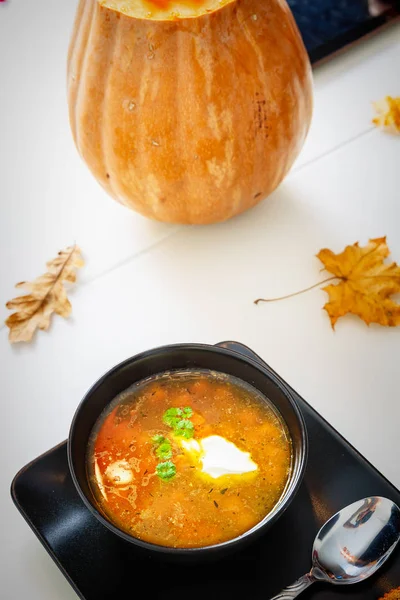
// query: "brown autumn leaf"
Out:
[388,114]
[47,296]
[392,595]
[367,283]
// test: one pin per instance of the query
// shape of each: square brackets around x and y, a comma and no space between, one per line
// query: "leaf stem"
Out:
[296,293]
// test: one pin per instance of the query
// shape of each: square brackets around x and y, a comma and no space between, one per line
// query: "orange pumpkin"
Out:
[188,112]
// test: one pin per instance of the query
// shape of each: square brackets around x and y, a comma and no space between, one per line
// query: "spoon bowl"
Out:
[351,545]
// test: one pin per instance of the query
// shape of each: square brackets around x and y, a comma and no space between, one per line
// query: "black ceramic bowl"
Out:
[177,357]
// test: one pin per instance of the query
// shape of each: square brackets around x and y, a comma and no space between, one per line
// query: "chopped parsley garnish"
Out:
[178,420]
[172,416]
[184,428]
[158,439]
[164,451]
[166,470]
[163,447]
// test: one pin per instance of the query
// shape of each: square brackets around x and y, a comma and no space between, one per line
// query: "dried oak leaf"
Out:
[392,595]
[47,296]
[388,114]
[366,283]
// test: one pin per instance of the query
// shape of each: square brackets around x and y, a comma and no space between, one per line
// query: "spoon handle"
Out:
[292,591]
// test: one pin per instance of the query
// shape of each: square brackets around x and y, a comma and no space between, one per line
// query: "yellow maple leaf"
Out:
[388,114]
[366,283]
[47,296]
[392,595]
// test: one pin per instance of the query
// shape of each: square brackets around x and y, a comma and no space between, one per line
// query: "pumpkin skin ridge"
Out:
[166,148]
[76,29]
[111,183]
[78,41]
[85,58]
[80,98]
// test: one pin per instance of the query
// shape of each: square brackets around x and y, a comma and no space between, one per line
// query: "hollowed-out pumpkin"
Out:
[188,112]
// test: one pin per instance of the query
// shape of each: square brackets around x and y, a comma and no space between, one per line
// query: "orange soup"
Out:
[189,459]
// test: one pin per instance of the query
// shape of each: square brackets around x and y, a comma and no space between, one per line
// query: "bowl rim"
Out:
[287,495]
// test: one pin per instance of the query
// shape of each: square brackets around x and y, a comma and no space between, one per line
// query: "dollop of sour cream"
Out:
[219,457]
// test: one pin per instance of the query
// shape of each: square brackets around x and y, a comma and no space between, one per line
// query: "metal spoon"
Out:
[351,545]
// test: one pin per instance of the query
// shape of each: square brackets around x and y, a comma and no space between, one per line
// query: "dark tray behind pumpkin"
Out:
[101,566]
[330,26]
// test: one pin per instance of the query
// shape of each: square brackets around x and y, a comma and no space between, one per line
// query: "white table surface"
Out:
[147,284]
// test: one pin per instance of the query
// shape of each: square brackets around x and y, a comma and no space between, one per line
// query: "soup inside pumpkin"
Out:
[189,459]
[163,9]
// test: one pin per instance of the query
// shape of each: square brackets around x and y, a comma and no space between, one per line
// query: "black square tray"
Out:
[331,26]
[100,566]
